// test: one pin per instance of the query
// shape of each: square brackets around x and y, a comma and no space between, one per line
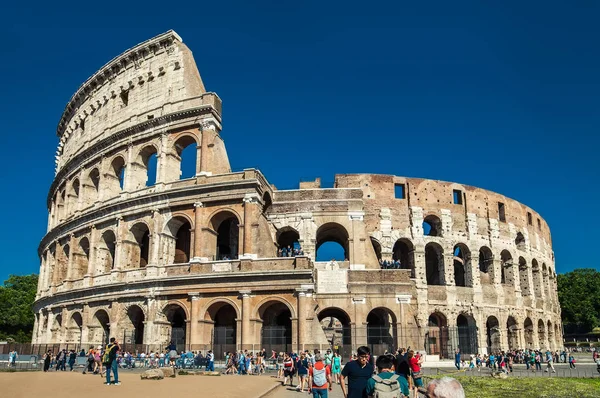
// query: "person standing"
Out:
[210,365]
[319,378]
[12,358]
[72,356]
[110,359]
[457,358]
[47,360]
[336,367]
[358,373]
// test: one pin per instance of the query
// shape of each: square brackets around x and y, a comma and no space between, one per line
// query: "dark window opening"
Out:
[82,125]
[539,224]
[501,212]
[399,191]
[529,219]
[457,196]
[124,97]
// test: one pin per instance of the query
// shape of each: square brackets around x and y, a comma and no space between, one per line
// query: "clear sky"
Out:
[503,96]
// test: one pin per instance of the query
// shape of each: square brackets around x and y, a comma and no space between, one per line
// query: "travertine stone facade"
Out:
[195,260]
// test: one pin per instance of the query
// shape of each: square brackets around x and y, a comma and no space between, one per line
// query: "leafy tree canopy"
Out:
[579,296]
[16,307]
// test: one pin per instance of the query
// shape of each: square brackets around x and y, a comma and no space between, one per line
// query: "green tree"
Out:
[579,296]
[16,307]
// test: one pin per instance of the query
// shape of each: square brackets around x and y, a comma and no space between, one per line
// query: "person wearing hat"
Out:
[319,378]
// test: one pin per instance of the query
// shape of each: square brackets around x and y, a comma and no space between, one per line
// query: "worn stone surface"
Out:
[153,374]
[182,256]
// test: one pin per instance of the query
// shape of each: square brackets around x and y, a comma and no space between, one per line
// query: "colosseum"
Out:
[222,259]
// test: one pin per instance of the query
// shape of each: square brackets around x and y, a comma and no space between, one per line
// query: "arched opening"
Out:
[276,329]
[62,205]
[486,266]
[492,327]
[376,248]
[336,326]
[178,240]
[228,236]
[437,336]
[404,252]
[81,259]
[432,226]
[176,317]
[135,334]
[106,252]
[91,187]
[148,157]
[381,330]
[512,329]
[550,336]
[186,148]
[506,276]
[57,329]
[524,277]
[94,178]
[528,328]
[332,243]
[224,318]
[434,264]
[62,263]
[74,196]
[118,168]
[74,329]
[541,334]
[267,202]
[139,245]
[545,286]
[288,242]
[537,278]
[520,241]
[462,266]
[467,334]
[100,328]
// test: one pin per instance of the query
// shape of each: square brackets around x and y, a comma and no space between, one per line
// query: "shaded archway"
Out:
[226,225]
[486,266]
[179,240]
[437,335]
[507,275]
[148,167]
[186,148]
[224,334]
[432,226]
[520,241]
[116,176]
[288,240]
[512,330]
[137,320]
[550,330]
[528,328]
[57,329]
[276,331]
[537,279]
[541,334]
[467,334]
[335,323]
[524,277]
[462,266]
[81,259]
[139,245]
[267,202]
[74,329]
[177,319]
[381,330]
[434,264]
[404,251]
[492,327]
[376,247]
[336,237]
[105,252]
[91,187]
[99,330]
[545,286]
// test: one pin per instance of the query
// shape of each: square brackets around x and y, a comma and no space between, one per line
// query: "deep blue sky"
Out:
[503,96]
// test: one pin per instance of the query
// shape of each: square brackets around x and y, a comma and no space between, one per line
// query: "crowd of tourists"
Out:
[503,361]
[390,264]
[289,251]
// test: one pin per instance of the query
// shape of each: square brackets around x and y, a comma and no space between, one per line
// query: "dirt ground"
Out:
[75,384]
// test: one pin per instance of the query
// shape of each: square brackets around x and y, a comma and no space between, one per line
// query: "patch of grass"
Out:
[530,387]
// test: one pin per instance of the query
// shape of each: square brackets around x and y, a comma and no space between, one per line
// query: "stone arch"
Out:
[404,251]
[336,325]
[73,196]
[99,329]
[437,335]
[466,327]
[537,278]
[141,171]
[62,263]
[524,277]
[376,247]
[486,265]
[544,282]
[463,275]
[550,330]
[177,316]
[105,252]
[506,268]
[115,178]
[91,187]
[182,164]
[136,319]
[226,224]
[276,332]
[333,232]
[434,264]
[520,241]
[528,332]
[493,334]
[138,244]
[257,314]
[432,226]
[512,333]
[57,328]
[216,304]
[541,334]
[178,239]
[81,258]
[74,327]
[287,237]
[267,202]
[382,333]
[222,315]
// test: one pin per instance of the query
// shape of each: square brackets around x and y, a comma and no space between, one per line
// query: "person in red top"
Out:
[319,378]
[415,367]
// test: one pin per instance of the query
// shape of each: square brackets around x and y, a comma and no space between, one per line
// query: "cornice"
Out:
[111,68]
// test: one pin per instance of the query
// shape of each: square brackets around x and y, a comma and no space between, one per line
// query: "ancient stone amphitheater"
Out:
[194,259]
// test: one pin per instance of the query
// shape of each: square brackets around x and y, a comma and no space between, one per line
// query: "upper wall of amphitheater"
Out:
[148,81]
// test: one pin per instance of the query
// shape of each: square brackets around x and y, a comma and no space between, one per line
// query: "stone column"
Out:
[51,317]
[119,255]
[303,337]
[195,337]
[250,202]
[246,314]
[197,256]
[85,314]
[72,244]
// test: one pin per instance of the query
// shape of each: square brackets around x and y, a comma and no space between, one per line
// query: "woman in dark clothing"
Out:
[47,359]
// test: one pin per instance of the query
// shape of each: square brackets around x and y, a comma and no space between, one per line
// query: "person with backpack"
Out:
[319,378]
[386,383]
[358,372]
[109,359]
